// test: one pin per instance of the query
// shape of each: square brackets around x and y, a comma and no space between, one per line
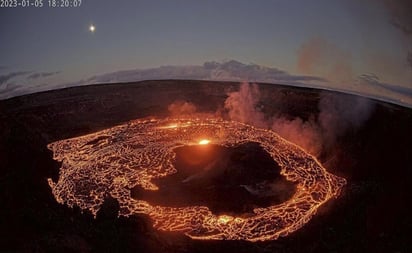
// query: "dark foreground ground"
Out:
[371,215]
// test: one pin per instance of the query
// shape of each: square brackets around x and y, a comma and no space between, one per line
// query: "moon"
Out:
[92,28]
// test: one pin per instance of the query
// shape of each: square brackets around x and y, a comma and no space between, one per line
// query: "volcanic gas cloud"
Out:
[115,160]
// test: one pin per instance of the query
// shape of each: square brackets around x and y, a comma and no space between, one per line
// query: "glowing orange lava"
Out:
[204,142]
[115,160]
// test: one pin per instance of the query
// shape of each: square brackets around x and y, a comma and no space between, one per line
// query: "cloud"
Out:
[225,71]
[27,83]
[400,16]
[373,79]
[38,75]
[9,88]
[215,71]
[5,78]
[317,56]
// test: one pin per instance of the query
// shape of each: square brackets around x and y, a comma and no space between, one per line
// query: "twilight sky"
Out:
[350,44]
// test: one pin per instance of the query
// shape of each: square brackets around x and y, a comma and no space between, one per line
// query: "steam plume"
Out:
[242,105]
[179,108]
[318,56]
[337,114]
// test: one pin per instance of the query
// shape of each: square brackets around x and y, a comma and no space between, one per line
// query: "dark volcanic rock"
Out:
[227,180]
[371,215]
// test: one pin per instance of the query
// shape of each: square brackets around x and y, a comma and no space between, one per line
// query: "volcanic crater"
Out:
[229,180]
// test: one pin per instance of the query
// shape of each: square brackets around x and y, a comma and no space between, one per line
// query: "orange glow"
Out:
[169,126]
[204,142]
[224,219]
[112,161]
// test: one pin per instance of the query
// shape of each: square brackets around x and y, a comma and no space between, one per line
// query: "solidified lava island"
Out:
[116,160]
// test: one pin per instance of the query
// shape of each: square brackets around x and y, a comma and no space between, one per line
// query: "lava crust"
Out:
[115,160]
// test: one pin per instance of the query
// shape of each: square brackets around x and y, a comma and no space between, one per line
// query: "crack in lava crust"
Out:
[115,160]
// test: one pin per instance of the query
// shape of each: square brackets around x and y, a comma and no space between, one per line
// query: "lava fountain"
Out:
[113,161]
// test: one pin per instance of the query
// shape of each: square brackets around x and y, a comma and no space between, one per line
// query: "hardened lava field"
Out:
[115,160]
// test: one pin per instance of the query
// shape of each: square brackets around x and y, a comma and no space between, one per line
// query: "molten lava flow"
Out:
[115,160]
[204,142]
